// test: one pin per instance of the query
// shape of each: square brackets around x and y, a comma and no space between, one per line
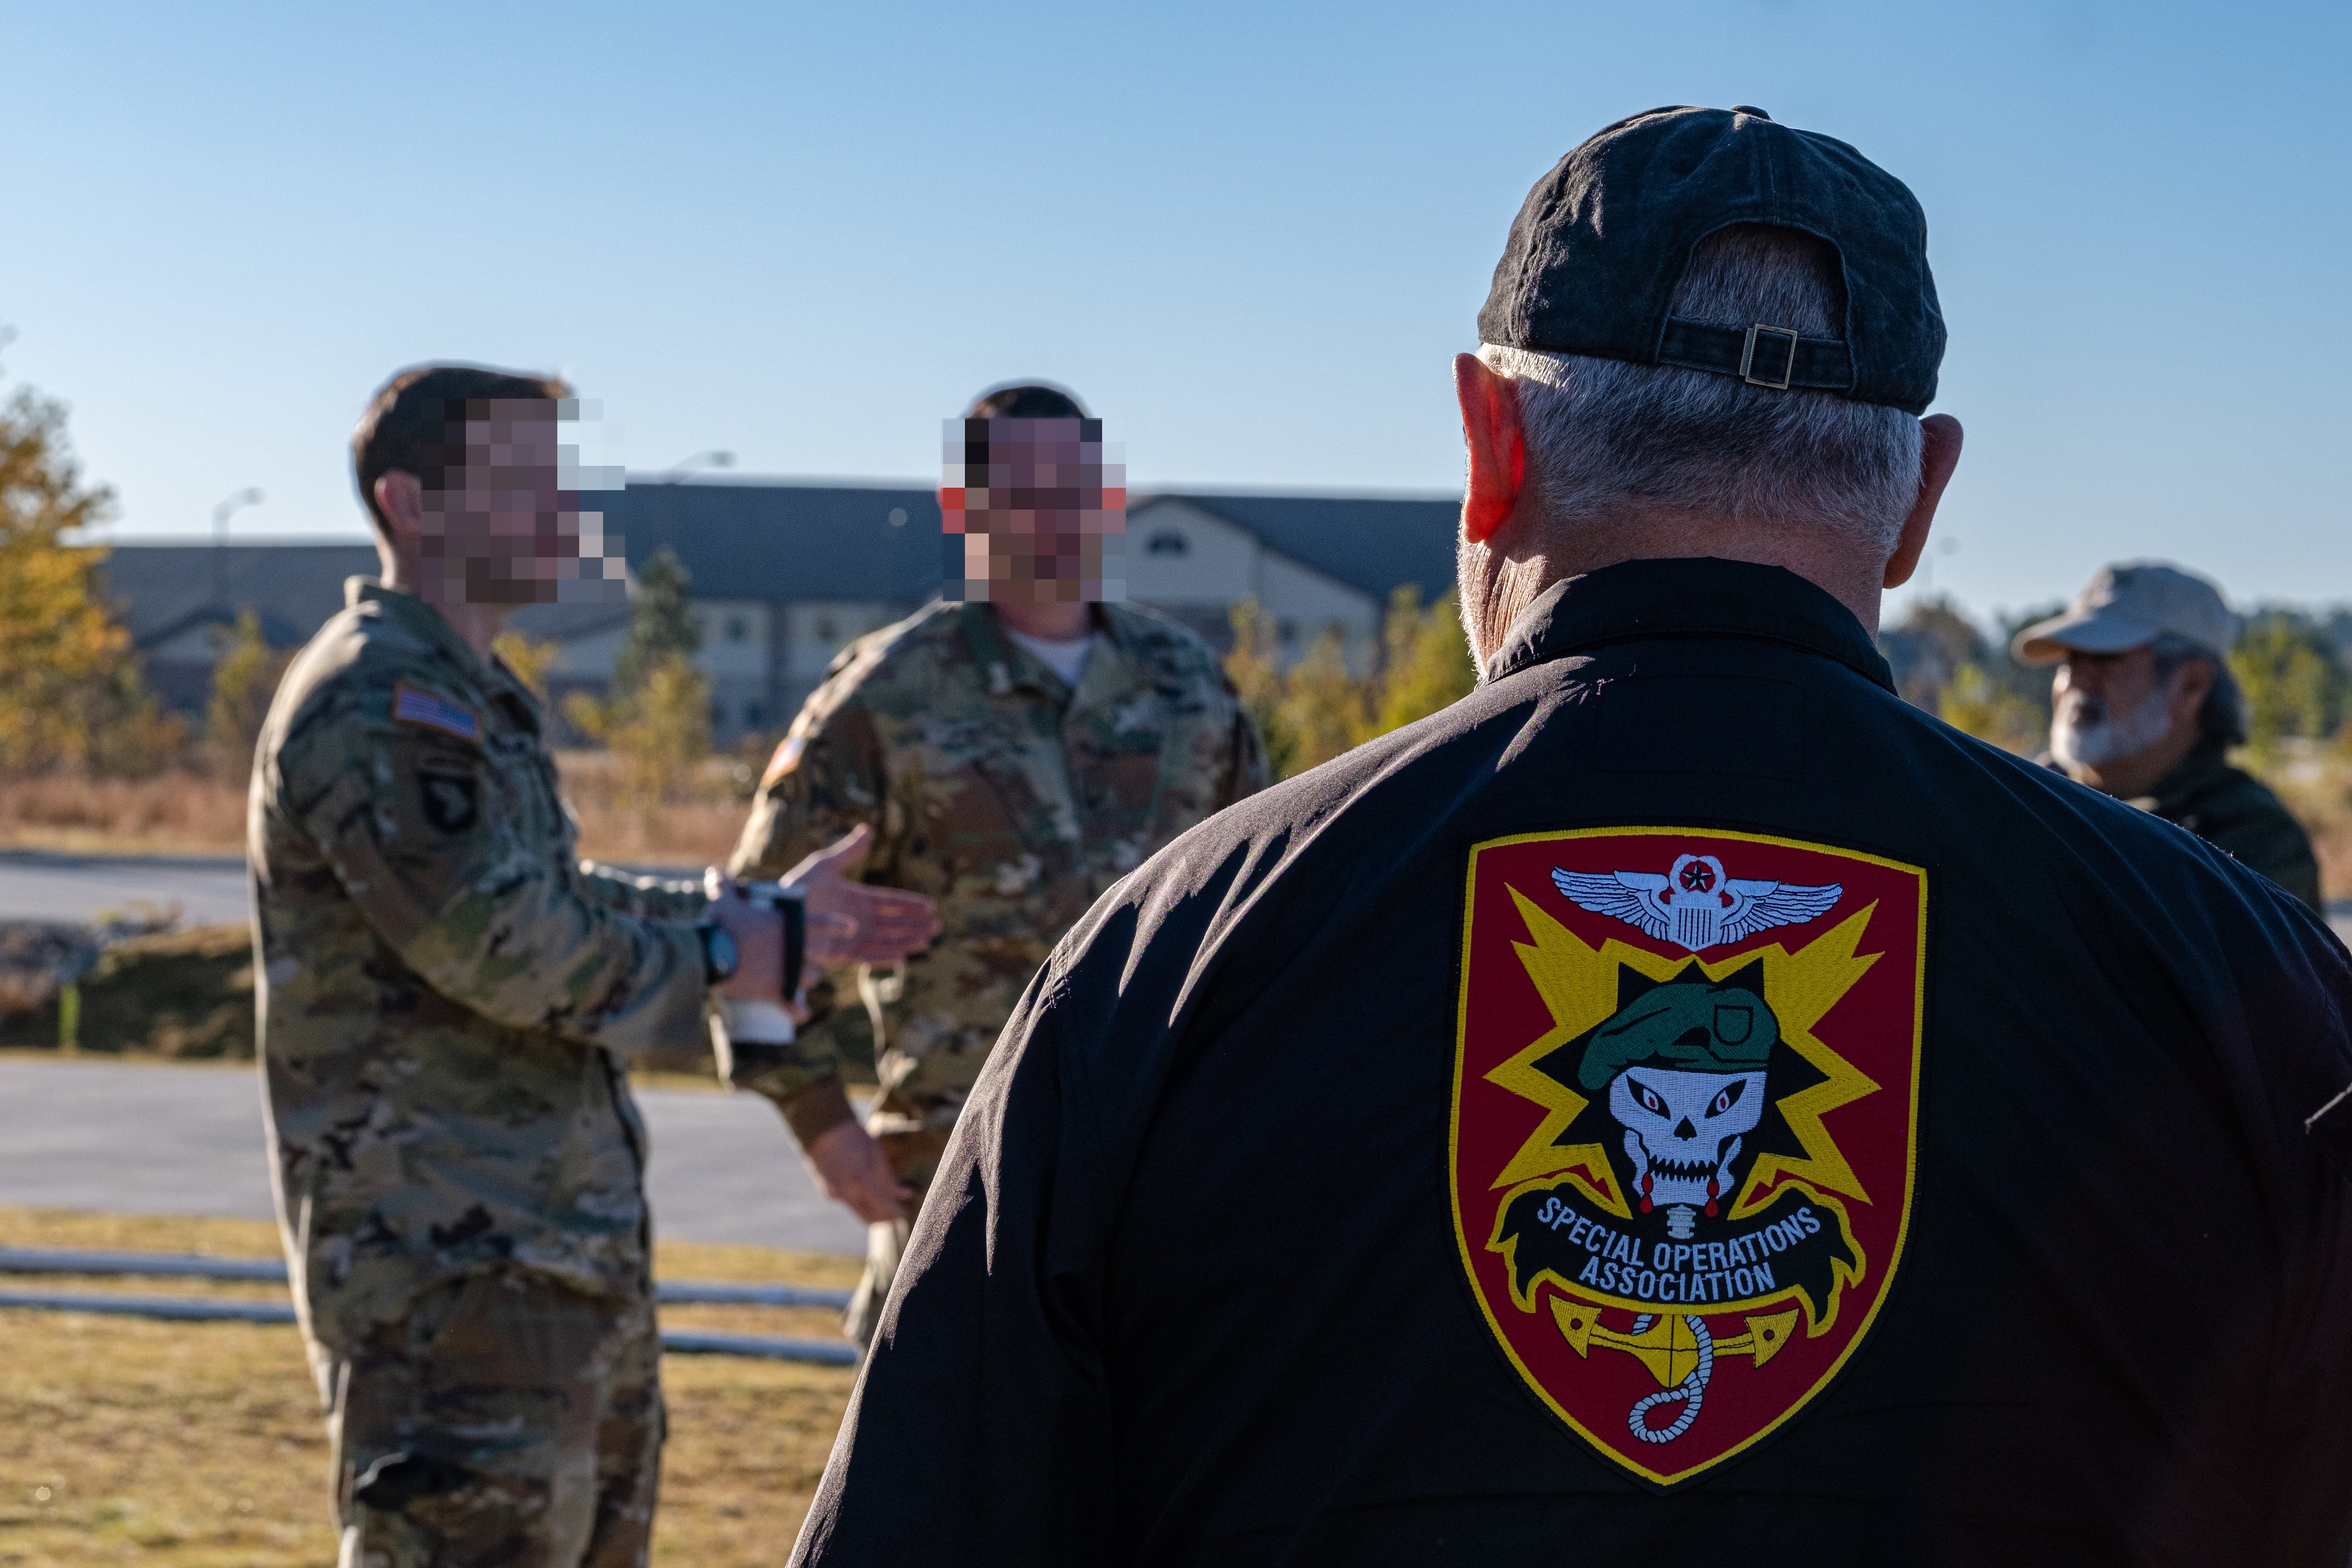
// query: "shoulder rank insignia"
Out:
[412,706]
[1681,1155]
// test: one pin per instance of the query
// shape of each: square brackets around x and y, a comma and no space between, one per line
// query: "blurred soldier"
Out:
[448,1002]
[2144,708]
[1015,754]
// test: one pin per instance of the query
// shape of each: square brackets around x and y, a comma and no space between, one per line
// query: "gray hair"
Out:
[2223,716]
[1604,434]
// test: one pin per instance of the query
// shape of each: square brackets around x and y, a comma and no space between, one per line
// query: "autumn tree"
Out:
[1325,709]
[529,657]
[1426,665]
[661,622]
[245,678]
[657,716]
[1318,706]
[1970,699]
[69,692]
[1255,667]
[2293,681]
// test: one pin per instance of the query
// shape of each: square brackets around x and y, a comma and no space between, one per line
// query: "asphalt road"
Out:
[138,1137]
[141,1139]
[39,884]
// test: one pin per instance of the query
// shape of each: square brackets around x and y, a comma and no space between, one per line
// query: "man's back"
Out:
[2105,1324]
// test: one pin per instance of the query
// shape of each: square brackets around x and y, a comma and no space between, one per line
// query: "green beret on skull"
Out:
[1686,1026]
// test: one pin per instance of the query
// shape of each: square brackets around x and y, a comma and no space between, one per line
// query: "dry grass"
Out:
[170,814]
[699,831]
[199,1444]
[196,814]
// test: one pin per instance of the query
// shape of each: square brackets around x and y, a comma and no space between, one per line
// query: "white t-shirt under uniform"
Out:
[1065,656]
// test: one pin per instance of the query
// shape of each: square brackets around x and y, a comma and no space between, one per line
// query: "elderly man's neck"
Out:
[1521,560]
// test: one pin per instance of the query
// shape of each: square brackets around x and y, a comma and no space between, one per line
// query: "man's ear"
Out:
[2191,684]
[1938,455]
[1496,443]
[400,501]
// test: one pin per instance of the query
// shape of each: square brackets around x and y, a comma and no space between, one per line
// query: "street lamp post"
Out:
[684,466]
[228,509]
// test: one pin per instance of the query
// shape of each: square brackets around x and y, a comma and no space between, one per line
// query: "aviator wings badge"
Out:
[1684,1111]
[1693,905]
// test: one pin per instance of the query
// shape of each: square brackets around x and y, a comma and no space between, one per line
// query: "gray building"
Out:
[784,574]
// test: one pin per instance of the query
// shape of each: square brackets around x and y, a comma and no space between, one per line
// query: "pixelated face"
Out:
[1038,502]
[503,518]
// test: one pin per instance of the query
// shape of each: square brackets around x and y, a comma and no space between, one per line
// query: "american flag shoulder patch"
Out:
[411,706]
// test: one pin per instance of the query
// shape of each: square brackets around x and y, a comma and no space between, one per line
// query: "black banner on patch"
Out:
[1724,1266]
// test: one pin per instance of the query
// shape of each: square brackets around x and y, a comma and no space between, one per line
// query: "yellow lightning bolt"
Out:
[1578,986]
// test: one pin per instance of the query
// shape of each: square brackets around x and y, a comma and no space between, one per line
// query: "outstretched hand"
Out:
[851,1169]
[851,923]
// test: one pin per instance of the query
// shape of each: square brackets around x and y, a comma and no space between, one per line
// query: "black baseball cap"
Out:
[1603,238]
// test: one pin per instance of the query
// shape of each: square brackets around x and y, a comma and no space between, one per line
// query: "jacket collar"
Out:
[2194,776]
[428,626]
[993,648]
[1638,601]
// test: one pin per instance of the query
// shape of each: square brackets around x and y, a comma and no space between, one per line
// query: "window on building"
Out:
[1168,543]
[826,632]
[754,716]
[738,629]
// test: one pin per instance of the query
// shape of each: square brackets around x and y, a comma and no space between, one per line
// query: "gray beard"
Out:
[2083,734]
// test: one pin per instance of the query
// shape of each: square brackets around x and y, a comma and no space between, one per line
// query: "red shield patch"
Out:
[1686,1097]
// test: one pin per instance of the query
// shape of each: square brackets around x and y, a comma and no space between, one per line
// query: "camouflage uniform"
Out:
[1012,801]
[446,999]
[2236,813]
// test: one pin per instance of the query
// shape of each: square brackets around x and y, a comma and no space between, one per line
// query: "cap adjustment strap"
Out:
[1783,337]
[1775,358]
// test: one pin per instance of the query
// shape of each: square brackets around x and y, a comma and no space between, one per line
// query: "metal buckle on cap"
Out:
[1748,358]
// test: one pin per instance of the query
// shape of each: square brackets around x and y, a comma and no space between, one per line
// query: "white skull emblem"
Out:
[1682,1129]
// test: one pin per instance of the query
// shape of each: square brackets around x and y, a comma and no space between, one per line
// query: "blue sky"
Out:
[1251,235]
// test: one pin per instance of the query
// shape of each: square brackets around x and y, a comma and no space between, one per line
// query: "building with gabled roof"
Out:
[784,574]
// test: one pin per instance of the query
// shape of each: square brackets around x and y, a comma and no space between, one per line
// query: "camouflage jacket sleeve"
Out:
[461,869]
[828,777]
[1251,771]
[647,897]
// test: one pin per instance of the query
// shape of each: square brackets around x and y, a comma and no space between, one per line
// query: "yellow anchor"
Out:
[1667,1347]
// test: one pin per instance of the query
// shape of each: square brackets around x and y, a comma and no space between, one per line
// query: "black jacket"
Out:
[2238,815]
[1189,1288]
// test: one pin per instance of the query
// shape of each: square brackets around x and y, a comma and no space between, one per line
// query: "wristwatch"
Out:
[721,957]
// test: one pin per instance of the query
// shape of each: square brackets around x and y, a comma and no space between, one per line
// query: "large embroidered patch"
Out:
[1686,1101]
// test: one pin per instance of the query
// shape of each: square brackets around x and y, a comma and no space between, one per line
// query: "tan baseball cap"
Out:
[2129,605]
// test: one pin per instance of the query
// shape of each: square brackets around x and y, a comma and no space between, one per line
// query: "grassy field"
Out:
[200,1445]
